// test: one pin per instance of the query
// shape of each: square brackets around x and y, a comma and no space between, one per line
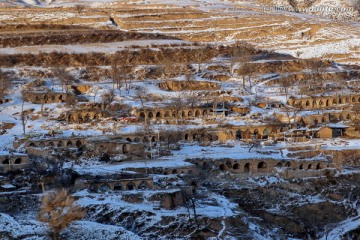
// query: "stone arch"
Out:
[334,101]
[307,104]
[323,119]
[150,115]
[174,171]
[223,167]
[321,102]
[287,164]
[118,186]
[247,134]
[348,116]
[72,118]
[167,114]
[137,139]
[266,133]
[125,148]
[314,103]
[183,114]
[158,115]
[205,112]
[69,143]
[319,166]
[238,134]
[104,188]
[302,122]
[327,103]
[87,117]
[279,164]
[6,161]
[32,145]
[93,188]
[309,166]
[128,139]
[301,166]
[195,137]
[340,101]
[60,98]
[197,113]
[316,121]
[236,166]
[347,100]
[78,143]
[143,185]
[142,115]
[162,138]
[41,144]
[51,144]
[60,144]
[262,167]
[247,168]
[186,137]
[18,161]
[353,99]
[130,186]
[190,113]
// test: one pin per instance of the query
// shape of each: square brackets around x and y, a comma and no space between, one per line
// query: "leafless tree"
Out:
[58,210]
[64,77]
[247,70]
[79,8]
[239,56]
[108,98]
[4,84]
[254,143]
[285,85]
[191,200]
[24,117]
[141,95]
[199,57]
[177,105]
[115,71]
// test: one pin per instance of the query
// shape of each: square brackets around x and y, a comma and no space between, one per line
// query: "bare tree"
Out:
[58,210]
[115,71]
[108,98]
[64,77]
[79,8]
[239,56]
[177,105]
[285,85]
[4,84]
[24,117]
[199,57]
[254,143]
[141,95]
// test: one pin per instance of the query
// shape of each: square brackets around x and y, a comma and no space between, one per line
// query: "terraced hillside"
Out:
[301,35]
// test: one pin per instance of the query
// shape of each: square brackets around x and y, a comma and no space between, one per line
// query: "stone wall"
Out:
[40,97]
[13,162]
[322,102]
